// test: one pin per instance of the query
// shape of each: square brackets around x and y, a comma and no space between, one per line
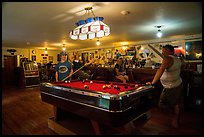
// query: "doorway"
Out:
[8,71]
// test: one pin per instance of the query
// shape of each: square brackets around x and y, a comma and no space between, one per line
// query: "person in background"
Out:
[63,68]
[50,71]
[117,53]
[83,73]
[169,76]
[120,71]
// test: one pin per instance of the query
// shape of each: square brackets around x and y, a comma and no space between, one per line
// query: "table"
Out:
[110,106]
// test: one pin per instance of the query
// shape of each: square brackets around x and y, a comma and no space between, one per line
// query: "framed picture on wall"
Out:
[193,50]
[33,57]
[91,56]
[50,58]
[108,55]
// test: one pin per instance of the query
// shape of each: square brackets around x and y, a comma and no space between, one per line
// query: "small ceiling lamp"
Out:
[63,48]
[90,28]
[98,42]
[64,44]
[159,33]
[46,51]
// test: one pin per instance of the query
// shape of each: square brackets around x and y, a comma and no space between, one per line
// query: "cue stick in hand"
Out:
[78,69]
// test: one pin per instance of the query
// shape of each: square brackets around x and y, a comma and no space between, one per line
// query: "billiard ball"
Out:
[69,81]
[126,86]
[136,85]
[118,88]
[109,86]
[86,87]
[91,82]
[83,81]
[66,81]
[115,86]
[104,86]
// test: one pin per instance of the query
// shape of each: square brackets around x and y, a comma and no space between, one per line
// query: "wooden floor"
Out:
[23,113]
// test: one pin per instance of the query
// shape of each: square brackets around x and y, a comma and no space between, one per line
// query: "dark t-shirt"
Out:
[63,70]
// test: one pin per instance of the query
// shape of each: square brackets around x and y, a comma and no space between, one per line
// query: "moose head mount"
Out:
[12,51]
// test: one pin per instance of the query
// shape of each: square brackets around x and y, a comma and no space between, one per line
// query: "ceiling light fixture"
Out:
[125,12]
[159,33]
[64,44]
[45,50]
[90,28]
[63,47]
[98,42]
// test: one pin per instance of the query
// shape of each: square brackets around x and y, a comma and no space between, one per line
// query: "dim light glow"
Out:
[124,43]
[63,48]
[124,47]
[198,55]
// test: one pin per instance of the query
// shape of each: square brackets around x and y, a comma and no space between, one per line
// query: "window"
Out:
[193,50]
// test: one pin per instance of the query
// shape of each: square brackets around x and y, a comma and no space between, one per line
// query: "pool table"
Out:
[114,105]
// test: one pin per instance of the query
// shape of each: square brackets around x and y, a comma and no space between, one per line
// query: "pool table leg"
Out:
[55,113]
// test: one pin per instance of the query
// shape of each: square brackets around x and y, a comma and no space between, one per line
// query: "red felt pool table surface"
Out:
[97,86]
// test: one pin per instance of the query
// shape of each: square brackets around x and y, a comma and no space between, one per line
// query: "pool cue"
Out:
[78,70]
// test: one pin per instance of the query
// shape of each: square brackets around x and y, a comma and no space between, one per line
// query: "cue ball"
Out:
[69,81]
[65,81]
[91,82]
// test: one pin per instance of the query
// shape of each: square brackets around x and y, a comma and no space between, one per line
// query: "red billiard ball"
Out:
[91,82]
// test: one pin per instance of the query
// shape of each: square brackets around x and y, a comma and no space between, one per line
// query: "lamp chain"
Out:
[93,13]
